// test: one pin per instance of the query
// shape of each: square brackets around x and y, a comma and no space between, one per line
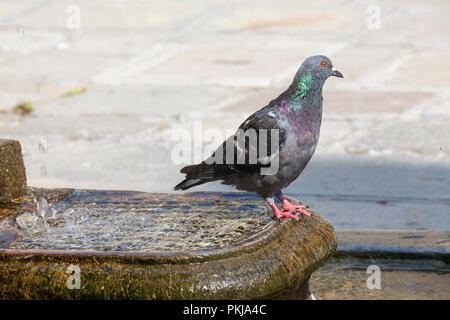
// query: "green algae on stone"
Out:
[23,108]
[73,92]
[276,262]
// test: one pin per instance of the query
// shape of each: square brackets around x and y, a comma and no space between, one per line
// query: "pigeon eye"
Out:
[323,64]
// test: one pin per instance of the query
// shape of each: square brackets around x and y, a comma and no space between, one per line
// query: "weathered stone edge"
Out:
[277,266]
[14,182]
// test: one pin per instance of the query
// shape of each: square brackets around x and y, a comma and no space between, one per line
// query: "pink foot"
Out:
[281,214]
[289,208]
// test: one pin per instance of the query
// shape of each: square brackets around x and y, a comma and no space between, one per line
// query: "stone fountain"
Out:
[75,244]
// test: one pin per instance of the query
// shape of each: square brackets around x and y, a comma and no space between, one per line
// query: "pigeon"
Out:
[271,147]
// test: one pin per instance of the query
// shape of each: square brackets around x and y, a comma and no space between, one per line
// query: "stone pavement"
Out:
[383,159]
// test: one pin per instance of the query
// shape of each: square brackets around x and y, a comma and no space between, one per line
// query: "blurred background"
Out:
[94,89]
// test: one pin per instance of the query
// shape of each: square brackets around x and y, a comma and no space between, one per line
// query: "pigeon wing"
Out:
[253,147]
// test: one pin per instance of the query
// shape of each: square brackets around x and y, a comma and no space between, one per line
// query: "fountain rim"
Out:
[250,244]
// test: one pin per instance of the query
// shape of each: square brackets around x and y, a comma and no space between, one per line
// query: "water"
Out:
[346,278]
[42,207]
[130,221]
[20,32]
[43,145]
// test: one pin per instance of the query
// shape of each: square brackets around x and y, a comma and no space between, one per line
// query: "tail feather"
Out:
[199,171]
[202,173]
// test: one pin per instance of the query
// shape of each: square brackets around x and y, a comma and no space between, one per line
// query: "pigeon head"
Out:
[312,75]
[318,68]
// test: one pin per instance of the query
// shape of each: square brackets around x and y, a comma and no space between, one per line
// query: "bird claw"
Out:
[283,214]
[293,208]
[287,211]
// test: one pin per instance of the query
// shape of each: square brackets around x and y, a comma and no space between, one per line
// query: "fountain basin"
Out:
[157,246]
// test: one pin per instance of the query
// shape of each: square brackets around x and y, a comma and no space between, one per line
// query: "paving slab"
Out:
[100,15]
[212,65]
[415,70]
[346,278]
[155,101]
[420,24]
[31,41]
[416,243]
[45,75]
[427,137]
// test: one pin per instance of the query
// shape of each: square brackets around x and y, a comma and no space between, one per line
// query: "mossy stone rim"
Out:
[277,262]
[249,245]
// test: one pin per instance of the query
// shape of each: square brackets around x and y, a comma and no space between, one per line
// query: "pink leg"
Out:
[280,214]
[291,208]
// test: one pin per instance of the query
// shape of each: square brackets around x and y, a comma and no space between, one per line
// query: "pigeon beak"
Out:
[336,73]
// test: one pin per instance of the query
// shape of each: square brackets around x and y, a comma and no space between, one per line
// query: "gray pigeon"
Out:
[273,146]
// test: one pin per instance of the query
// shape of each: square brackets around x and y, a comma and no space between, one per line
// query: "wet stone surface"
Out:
[132,245]
[13,180]
[347,278]
[134,221]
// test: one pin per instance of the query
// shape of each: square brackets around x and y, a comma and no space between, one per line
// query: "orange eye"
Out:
[323,64]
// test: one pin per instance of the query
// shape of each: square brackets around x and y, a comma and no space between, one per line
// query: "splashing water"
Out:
[43,145]
[26,221]
[20,32]
[127,221]
[42,207]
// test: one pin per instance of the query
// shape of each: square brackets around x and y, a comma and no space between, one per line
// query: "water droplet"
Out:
[62,46]
[54,211]
[42,207]
[20,32]
[26,220]
[43,145]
